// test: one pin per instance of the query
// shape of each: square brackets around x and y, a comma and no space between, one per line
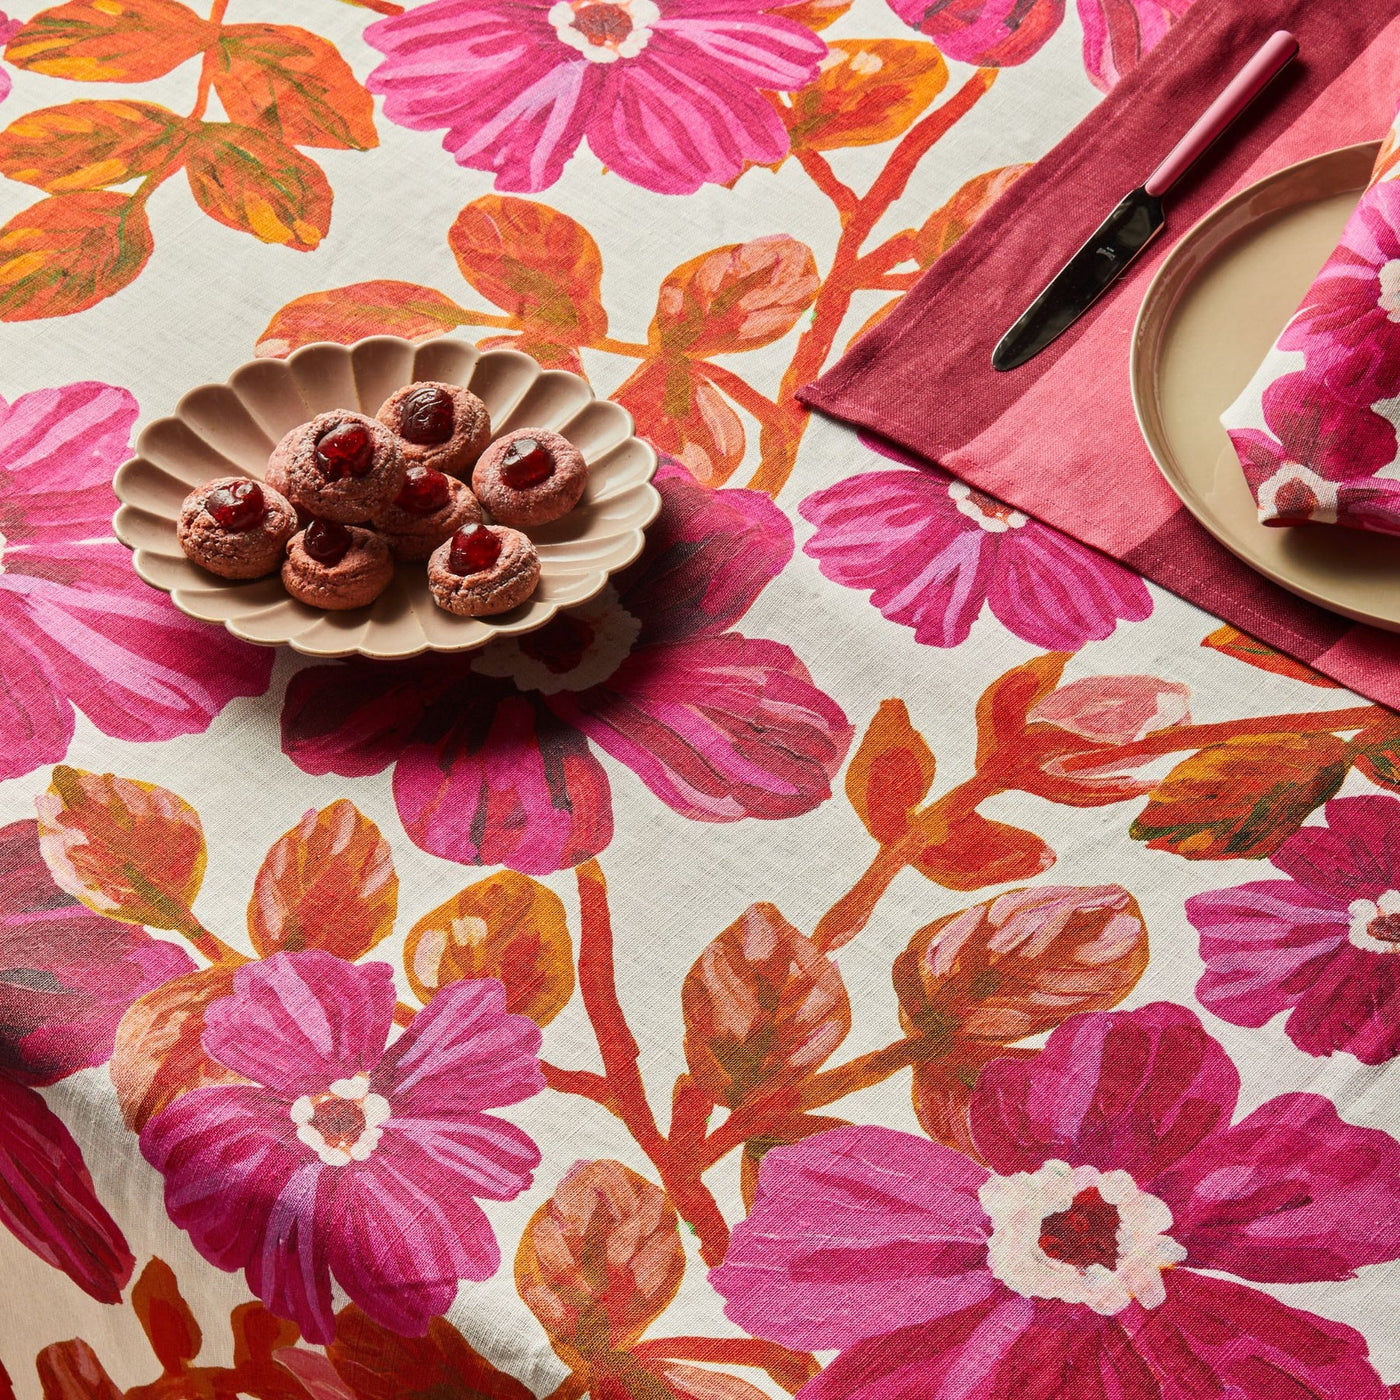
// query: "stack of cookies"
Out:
[345,496]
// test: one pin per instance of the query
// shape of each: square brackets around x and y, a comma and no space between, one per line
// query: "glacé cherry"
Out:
[425,416]
[238,506]
[327,542]
[424,491]
[346,450]
[526,463]
[474,548]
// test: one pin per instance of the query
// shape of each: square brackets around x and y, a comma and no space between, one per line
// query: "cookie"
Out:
[483,570]
[235,528]
[442,426]
[530,477]
[336,567]
[340,466]
[430,509]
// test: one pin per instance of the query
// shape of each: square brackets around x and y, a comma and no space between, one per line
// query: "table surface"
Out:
[878,941]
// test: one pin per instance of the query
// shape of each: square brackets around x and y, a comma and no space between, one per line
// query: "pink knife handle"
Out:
[1248,83]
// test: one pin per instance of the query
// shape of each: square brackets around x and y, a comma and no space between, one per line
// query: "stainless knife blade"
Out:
[1110,249]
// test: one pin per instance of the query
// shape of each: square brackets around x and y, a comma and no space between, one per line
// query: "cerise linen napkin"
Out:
[1058,438]
[1315,427]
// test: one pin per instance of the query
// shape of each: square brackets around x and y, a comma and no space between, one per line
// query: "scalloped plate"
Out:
[229,429]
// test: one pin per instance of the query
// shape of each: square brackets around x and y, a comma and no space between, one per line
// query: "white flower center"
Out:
[991,515]
[1295,492]
[1080,1235]
[604,30]
[1375,924]
[578,649]
[344,1124]
[1389,299]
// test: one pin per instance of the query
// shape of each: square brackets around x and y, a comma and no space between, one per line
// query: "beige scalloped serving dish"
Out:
[226,429]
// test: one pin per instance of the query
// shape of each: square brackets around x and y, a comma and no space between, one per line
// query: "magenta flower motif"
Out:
[341,1156]
[47,1201]
[8,29]
[1119,34]
[492,764]
[1323,945]
[1317,459]
[668,93]
[931,551]
[1088,1258]
[66,975]
[990,33]
[1347,328]
[77,627]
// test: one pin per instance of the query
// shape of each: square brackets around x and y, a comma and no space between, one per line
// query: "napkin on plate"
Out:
[1315,428]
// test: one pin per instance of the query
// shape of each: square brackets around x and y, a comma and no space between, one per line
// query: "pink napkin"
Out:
[1315,428]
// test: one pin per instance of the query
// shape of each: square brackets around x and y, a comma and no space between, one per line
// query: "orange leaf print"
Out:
[763,1007]
[1003,708]
[86,145]
[815,14]
[1018,964]
[257,184]
[69,252]
[683,415]
[294,85]
[159,1054]
[348,314]
[377,1364]
[688,1382]
[947,224]
[1252,652]
[1243,798]
[533,262]
[110,41]
[329,883]
[738,297]
[972,852]
[551,354]
[868,91]
[165,1317]
[72,1371]
[126,849]
[600,1260]
[891,773]
[506,926]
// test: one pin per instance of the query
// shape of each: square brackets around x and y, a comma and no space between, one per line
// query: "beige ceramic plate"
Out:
[223,429]
[1215,307]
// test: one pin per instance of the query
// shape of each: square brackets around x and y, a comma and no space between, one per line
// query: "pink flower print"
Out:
[1347,327]
[67,975]
[1317,460]
[1323,944]
[1105,1249]
[931,551]
[990,33]
[493,753]
[670,94]
[343,1156]
[8,29]
[77,627]
[47,1201]
[1119,34]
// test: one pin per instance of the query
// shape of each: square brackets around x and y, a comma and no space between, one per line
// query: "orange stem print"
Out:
[780,439]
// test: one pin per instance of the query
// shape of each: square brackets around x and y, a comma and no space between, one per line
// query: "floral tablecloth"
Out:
[879,948]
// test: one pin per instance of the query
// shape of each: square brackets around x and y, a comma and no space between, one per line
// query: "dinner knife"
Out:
[1138,219]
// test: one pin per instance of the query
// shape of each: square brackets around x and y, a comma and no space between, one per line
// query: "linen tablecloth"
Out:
[878,948]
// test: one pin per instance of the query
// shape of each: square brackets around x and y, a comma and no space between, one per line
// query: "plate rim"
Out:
[1143,362]
[138,460]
